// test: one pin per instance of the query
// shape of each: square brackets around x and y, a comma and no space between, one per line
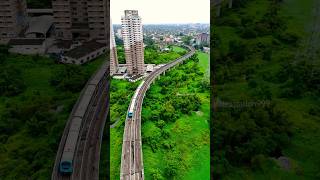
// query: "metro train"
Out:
[89,98]
[133,101]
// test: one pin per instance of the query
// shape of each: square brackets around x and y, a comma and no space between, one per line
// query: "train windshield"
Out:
[65,165]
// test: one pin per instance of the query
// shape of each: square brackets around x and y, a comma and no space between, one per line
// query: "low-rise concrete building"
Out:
[28,46]
[122,70]
[84,53]
[168,40]
[39,27]
[206,50]
[35,39]
[135,78]
[149,68]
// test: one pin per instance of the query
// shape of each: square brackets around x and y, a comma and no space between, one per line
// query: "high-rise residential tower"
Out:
[113,52]
[133,42]
[13,18]
[80,19]
[203,38]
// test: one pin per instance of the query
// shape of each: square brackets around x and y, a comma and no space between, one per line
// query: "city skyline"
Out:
[163,12]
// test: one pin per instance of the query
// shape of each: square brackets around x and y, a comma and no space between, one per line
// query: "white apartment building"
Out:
[113,52]
[133,42]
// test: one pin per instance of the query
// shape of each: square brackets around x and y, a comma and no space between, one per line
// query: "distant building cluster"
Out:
[74,31]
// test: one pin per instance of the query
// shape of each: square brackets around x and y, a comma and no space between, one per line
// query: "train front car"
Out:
[133,101]
[66,161]
[130,113]
[66,167]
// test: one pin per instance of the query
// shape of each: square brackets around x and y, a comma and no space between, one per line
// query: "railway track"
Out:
[132,157]
[87,152]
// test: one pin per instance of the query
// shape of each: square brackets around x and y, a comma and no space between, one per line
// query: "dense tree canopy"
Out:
[255,60]
[33,112]
[11,81]
[240,135]
[164,105]
[71,78]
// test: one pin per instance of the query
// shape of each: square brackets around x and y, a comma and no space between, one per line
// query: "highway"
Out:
[132,158]
[88,143]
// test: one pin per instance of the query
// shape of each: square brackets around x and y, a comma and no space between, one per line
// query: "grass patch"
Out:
[178,49]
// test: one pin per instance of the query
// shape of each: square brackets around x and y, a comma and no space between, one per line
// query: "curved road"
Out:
[131,158]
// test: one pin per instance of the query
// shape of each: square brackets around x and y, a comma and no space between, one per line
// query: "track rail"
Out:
[87,153]
[132,157]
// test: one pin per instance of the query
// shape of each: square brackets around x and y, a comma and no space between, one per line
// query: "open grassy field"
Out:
[178,49]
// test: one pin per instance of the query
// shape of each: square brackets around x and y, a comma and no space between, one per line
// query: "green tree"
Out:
[168,112]
[11,81]
[156,174]
[4,52]
[152,136]
[237,51]
[186,39]
[71,78]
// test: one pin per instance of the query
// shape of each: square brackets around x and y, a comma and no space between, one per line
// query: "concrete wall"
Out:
[82,60]
[28,49]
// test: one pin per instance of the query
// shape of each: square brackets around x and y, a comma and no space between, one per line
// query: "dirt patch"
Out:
[199,113]
[284,163]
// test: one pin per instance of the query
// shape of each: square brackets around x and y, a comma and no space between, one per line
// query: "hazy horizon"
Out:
[167,23]
[163,11]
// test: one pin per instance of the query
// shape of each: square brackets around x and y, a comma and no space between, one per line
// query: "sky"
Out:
[163,11]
